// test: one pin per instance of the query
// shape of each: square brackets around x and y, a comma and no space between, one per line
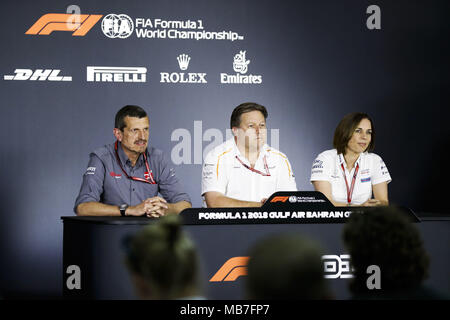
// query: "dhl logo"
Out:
[231,270]
[280,199]
[80,24]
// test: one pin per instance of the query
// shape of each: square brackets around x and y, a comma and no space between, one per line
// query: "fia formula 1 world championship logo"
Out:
[117,26]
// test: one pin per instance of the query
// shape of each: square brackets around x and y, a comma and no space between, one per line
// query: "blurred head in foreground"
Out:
[163,261]
[286,266]
[386,238]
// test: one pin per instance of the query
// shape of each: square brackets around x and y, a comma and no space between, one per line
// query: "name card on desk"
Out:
[264,215]
[281,207]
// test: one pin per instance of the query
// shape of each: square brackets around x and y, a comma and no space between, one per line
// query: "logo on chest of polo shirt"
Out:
[90,170]
[365,171]
[317,164]
[115,175]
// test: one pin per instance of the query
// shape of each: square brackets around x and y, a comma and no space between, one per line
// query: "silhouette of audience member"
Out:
[286,266]
[386,237]
[163,261]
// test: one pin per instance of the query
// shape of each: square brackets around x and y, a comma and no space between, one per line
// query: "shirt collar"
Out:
[124,158]
[358,161]
[232,143]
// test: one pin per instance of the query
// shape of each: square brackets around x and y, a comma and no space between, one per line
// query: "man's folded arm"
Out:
[216,199]
[88,200]
[177,207]
[101,209]
[97,209]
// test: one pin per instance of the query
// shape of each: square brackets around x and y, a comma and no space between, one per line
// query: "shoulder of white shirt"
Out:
[328,153]
[230,145]
[219,149]
[332,155]
[272,152]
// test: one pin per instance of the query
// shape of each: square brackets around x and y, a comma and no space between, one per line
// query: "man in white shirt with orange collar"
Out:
[244,171]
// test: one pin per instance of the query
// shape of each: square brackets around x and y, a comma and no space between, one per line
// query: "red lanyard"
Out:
[266,167]
[350,192]
[148,175]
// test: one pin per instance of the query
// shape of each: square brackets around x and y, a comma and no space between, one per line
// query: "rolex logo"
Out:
[182,77]
[183,61]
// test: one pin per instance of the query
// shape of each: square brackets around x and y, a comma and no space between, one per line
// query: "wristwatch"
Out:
[123,208]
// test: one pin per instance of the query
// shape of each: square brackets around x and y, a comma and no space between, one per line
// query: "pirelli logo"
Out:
[116,74]
[79,24]
[231,270]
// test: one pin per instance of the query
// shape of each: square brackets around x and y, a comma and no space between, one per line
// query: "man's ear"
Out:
[118,134]
[234,130]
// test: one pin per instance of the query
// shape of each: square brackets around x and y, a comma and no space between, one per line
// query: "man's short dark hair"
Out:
[165,257]
[235,120]
[345,129]
[130,111]
[387,238]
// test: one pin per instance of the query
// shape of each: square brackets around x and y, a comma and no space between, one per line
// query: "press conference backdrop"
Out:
[67,67]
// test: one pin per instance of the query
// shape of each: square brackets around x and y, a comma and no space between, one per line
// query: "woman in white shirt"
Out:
[349,174]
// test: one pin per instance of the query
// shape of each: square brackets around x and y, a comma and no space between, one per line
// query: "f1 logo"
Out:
[336,267]
[64,22]
[231,270]
[279,199]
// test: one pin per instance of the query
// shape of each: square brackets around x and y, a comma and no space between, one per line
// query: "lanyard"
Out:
[350,191]
[266,167]
[148,175]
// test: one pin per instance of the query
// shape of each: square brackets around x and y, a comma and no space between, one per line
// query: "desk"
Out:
[95,245]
